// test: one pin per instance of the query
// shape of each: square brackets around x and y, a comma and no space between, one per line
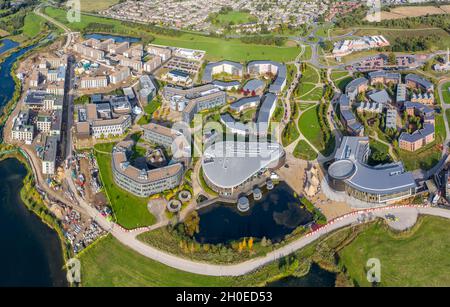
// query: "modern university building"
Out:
[381,184]
[228,166]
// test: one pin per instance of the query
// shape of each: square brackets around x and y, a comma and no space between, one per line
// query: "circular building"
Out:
[338,172]
[184,196]
[243,204]
[174,205]
[257,194]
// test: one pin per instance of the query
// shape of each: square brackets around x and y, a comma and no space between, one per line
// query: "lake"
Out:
[31,251]
[277,214]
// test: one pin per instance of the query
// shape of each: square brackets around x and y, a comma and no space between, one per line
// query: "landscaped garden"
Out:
[313,127]
[304,151]
[446,92]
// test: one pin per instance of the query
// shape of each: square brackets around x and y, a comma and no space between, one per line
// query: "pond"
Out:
[117,38]
[277,214]
[316,277]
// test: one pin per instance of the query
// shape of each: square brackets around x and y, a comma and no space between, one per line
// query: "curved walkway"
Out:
[129,239]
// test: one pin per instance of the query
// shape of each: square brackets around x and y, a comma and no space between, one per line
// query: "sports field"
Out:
[234,17]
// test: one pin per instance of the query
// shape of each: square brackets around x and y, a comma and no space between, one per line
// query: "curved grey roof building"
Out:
[228,165]
[381,184]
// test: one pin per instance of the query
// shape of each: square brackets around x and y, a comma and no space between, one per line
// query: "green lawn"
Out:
[306,54]
[108,263]
[234,17]
[310,75]
[130,211]
[305,105]
[338,74]
[304,151]
[290,133]
[441,134]
[32,25]
[310,127]
[303,89]
[149,109]
[342,83]
[446,92]
[314,95]
[216,48]
[419,258]
[424,158]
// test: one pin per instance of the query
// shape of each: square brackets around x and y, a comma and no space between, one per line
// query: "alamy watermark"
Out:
[73,267]
[374,13]
[74,12]
[374,270]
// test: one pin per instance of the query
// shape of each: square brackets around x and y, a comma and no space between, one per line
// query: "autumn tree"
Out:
[191,223]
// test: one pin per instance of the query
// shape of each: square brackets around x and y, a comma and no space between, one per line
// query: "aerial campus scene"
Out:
[231,143]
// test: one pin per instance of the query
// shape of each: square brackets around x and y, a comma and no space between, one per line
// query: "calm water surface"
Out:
[31,252]
[277,214]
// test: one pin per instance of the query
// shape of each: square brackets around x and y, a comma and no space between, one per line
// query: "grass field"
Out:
[392,34]
[109,263]
[424,158]
[306,54]
[342,83]
[310,75]
[290,134]
[234,17]
[216,48]
[441,134]
[149,109]
[418,258]
[304,151]
[96,6]
[314,95]
[130,211]
[337,74]
[303,89]
[414,11]
[446,92]
[310,127]
[32,25]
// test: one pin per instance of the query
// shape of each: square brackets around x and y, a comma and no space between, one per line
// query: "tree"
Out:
[392,59]
[191,223]
[250,243]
